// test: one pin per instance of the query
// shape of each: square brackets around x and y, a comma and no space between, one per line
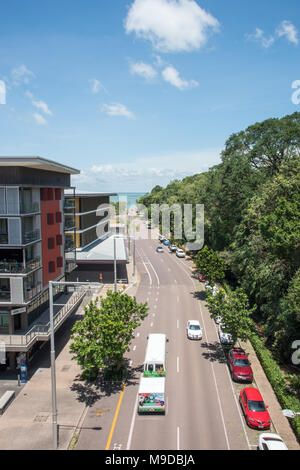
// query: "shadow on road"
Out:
[200,295]
[213,352]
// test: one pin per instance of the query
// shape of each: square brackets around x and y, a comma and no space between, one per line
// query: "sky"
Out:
[135,93]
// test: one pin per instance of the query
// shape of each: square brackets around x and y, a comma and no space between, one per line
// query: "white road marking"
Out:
[177,298]
[132,422]
[153,315]
[155,306]
[157,278]
[177,364]
[178,438]
[150,278]
[177,323]
[175,281]
[151,324]
[137,335]
[134,348]
[130,363]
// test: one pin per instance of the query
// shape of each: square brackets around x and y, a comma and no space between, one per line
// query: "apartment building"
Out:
[33,221]
[94,238]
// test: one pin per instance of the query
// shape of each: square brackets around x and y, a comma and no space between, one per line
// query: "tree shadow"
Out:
[200,295]
[214,352]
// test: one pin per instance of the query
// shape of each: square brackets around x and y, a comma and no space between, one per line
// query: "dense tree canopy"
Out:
[252,218]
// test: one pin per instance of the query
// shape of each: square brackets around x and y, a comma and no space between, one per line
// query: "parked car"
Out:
[239,365]
[224,334]
[159,249]
[254,408]
[180,253]
[161,238]
[166,242]
[193,329]
[269,441]
[172,248]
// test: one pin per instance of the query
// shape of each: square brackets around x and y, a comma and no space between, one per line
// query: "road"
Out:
[202,404]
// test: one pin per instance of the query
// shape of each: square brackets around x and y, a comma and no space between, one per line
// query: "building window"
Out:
[58,194]
[5,290]
[50,243]
[58,240]
[50,194]
[51,267]
[50,219]
[59,262]
[4,321]
[58,217]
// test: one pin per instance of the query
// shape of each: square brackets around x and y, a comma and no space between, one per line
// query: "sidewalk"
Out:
[27,422]
[279,421]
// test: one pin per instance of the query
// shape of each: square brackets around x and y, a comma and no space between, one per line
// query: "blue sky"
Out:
[136,93]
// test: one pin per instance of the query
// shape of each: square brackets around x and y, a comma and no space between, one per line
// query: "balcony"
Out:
[32,291]
[4,295]
[16,267]
[31,236]
[3,238]
[29,208]
[69,223]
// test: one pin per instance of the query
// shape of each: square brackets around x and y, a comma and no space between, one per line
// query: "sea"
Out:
[131,198]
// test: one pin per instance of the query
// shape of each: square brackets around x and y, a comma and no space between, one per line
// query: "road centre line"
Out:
[177,364]
[178,438]
[134,348]
[115,418]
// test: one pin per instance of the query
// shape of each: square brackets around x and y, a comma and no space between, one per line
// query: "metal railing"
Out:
[41,332]
[17,267]
[31,236]
[32,291]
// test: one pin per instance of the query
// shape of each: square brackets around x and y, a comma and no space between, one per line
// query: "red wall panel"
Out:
[47,231]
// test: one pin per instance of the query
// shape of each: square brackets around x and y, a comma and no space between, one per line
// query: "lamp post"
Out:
[52,352]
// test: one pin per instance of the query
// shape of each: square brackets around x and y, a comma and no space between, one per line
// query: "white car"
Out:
[173,248]
[180,253]
[193,329]
[161,238]
[224,335]
[268,441]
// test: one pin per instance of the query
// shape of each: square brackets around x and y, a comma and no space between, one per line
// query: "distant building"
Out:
[94,238]
[32,242]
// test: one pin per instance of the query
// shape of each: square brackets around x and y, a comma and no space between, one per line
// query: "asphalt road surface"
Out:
[202,409]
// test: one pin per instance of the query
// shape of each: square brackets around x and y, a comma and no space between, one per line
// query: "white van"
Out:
[155,360]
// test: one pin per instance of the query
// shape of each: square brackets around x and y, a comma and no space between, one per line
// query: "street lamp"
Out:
[52,352]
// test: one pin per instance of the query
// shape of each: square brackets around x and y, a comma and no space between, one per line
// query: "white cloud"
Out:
[286,28]
[170,25]
[144,173]
[117,109]
[40,119]
[259,36]
[144,70]
[21,74]
[42,106]
[96,86]
[171,75]
[2,92]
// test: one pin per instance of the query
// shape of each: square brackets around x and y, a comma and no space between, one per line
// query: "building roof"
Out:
[103,250]
[78,193]
[37,163]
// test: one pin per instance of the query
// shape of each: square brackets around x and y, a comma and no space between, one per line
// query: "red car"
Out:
[254,409]
[239,365]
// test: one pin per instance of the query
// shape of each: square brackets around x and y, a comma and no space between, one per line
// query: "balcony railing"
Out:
[32,291]
[3,238]
[69,223]
[16,267]
[31,236]
[4,295]
[21,208]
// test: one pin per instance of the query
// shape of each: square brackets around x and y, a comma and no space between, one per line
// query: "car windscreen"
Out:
[256,405]
[194,327]
[241,362]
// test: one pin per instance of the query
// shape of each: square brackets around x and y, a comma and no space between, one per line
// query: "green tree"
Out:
[102,337]
[234,309]
[209,263]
